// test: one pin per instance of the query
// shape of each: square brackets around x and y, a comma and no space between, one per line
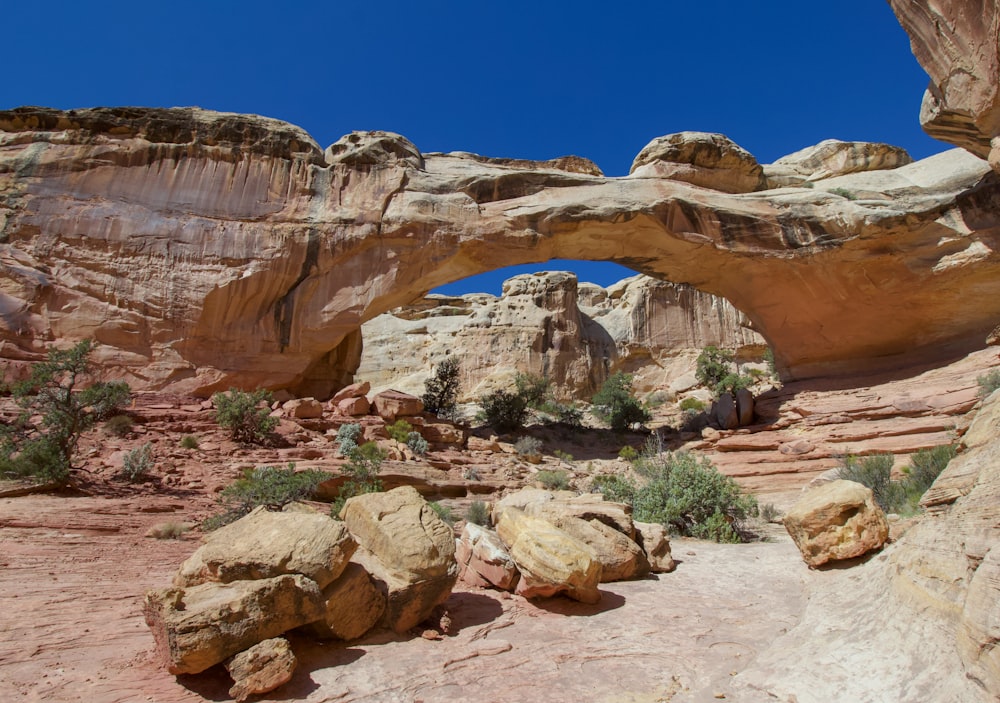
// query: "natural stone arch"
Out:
[206,250]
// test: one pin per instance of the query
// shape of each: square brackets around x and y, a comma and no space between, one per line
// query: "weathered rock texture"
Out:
[205,250]
[265,543]
[956,43]
[262,668]
[835,521]
[574,334]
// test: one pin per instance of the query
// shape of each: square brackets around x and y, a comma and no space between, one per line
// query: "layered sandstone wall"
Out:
[548,324]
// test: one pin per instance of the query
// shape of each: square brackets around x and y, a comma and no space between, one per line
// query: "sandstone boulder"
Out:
[353,407]
[198,627]
[392,404]
[408,550]
[744,407]
[551,561]
[836,520]
[443,433]
[702,159]
[303,409]
[266,543]
[833,157]
[483,559]
[621,558]
[726,413]
[262,668]
[354,605]
[353,390]
[653,539]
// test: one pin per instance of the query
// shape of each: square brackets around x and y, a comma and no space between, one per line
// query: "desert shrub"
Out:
[269,486]
[503,410]
[692,403]
[399,430]
[241,413]
[441,390]
[628,453]
[189,441]
[43,451]
[733,382]
[615,404]
[478,513]
[119,425]
[657,399]
[168,530]
[843,193]
[875,472]
[347,437]
[562,412]
[716,370]
[684,493]
[137,463]
[443,512]
[553,480]
[417,444]
[562,456]
[528,446]
[925,466]
[534,389]
[362,469]
[769,513]
[988,382]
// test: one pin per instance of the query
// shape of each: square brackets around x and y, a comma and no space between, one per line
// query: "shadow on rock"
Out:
[471,609]
[562,605]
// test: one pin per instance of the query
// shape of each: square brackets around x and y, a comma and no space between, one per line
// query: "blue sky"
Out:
[518,79]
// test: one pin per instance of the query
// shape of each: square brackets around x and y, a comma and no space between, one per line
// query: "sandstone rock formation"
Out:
[265,544]
[246,255]
[702,159]
[204,625]
[656,544]
[484,560]
[836,520]
[833,157]
[407,549]
[354,605]
[956,43]
[262,668]
[549,324]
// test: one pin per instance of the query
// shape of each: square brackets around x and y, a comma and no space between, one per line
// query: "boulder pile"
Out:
[389,562]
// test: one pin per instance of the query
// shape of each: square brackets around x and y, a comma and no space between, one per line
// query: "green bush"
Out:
[242,414]
[441,391]
[769,512]
[875,472]
[399,430]
[443,512]
[503,410]
[119,425]
[362,469]
[716,370]
[528,447]
[628,453]
[137,463]
[417,444]
[844,193]
[925,466]
[562,456]
[553,480]
[347,436]
[43,451]
[692,403]
[684,493]
[478,513]
[269,486]
[189,441]
[615,404]
[536,390]
[988,382]
[562,412]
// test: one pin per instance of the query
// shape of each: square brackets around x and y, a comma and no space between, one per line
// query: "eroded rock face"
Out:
[833,157]
[198,627]
[244,256]
[575,334]
[354,605]
[956,43]
[262,668]
[836,520]
[702,159]
[265,544]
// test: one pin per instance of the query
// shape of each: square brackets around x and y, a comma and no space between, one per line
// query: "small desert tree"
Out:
[615,404]
[245,415]
[43,450]
[441,391]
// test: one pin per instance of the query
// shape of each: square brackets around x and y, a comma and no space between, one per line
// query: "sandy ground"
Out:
[74,570]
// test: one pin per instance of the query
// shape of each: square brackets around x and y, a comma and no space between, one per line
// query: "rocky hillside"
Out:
[548,324]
